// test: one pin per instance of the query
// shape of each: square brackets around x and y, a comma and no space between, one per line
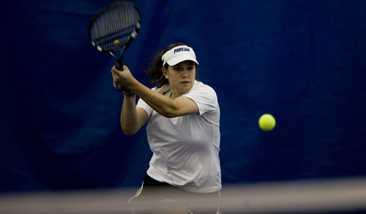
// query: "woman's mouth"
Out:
[185,82]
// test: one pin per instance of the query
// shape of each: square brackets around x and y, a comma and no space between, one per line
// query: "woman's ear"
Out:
[165,72]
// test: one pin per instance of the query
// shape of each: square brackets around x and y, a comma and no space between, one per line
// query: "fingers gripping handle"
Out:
[116,86]
[119,66]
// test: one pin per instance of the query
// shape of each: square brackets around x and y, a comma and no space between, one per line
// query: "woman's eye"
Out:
[178,68]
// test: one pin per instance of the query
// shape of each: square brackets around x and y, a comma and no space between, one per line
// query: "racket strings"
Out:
[108,42]
[113,29]
[113,21]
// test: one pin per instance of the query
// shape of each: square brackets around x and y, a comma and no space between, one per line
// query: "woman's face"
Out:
[181,77]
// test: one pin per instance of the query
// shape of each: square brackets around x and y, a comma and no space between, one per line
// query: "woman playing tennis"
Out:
[183,123]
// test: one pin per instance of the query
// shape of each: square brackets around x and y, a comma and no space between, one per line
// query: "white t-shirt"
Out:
[186,148]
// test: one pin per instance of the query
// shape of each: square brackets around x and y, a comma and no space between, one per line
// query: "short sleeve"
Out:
[142,104]
[204,96]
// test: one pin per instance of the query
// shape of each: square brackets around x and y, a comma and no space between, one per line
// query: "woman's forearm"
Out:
[129,118]
[160,103]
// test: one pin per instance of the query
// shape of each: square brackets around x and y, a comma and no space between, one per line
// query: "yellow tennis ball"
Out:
[267,122]
[116,42]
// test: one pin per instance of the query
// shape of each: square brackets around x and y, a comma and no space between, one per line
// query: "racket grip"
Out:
[119,64]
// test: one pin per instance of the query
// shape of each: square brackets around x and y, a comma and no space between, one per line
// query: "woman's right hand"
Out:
[121,80]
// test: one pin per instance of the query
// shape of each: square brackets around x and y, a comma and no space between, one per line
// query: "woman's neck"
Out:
[174,94]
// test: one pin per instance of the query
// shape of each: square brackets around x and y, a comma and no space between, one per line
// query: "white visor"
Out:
[179,54]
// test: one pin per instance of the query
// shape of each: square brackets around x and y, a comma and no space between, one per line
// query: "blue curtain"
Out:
[302,61]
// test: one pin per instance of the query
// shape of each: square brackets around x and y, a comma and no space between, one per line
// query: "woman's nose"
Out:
[185,72]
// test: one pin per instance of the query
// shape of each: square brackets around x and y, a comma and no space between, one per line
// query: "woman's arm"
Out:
[166,106]
[132,118]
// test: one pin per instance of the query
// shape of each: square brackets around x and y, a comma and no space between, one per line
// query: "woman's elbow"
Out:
[170,114]
[128,131]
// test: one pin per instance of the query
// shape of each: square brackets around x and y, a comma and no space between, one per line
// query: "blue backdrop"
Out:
[303,61]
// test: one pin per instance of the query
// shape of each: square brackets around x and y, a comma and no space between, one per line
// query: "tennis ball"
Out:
[267,122]
[116,42]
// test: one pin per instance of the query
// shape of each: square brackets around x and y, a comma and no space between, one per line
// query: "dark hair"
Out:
[155,69]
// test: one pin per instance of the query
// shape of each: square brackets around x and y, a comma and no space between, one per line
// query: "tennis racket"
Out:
[113,29]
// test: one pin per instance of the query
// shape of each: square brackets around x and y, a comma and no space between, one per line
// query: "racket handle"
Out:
[119,64]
